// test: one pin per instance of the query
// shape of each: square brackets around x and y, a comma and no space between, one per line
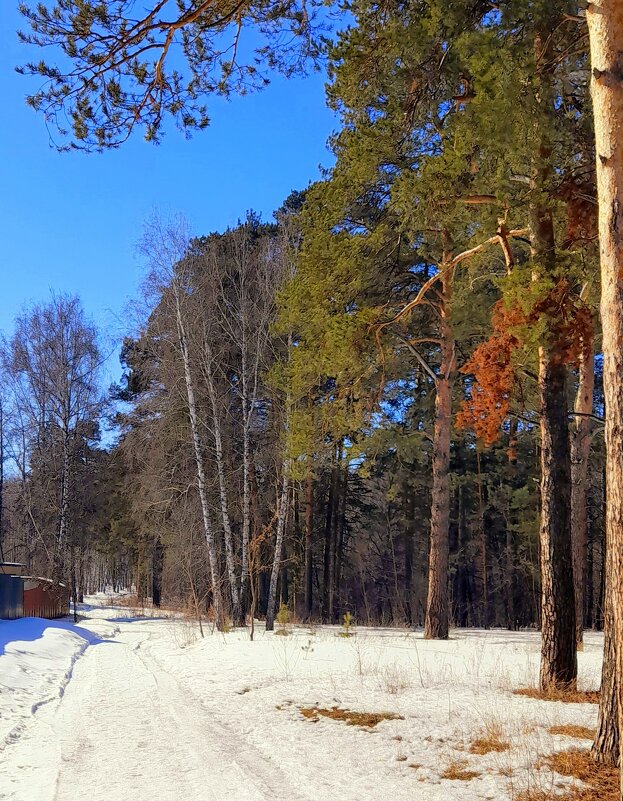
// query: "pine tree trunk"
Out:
[605,24]
[558,651]
[327,577]
[340,528]
[606,747]
[309,564]
[580,451]
[437,623]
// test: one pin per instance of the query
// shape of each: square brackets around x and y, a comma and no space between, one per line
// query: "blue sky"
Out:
[70,222]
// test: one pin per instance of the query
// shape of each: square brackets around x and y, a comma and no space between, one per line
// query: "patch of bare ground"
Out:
[457,771]
[365,719]
[567,696]
[571,730]
[601,781]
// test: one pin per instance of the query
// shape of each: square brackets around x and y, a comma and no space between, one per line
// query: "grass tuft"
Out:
[571,730]
[601,781]
[567,696]
[485,745]
[456,771]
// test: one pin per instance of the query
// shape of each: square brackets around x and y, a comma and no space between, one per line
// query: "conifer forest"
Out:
[383,419]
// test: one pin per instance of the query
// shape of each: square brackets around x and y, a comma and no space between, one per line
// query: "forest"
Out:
[398,400]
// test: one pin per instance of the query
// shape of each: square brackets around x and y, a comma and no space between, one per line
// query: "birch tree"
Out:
[166,244]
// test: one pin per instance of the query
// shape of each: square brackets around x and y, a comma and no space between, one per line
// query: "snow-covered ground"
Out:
[142,708]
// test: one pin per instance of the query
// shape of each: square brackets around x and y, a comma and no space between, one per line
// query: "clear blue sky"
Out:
[70,222]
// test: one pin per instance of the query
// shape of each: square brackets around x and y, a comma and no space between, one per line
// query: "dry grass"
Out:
[457,772]
[490,740]
[571,730]
[567,696]
[485,745]
[602,781]
[365,719]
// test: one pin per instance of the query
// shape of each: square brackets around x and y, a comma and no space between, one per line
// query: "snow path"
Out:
[126,721]
[123,708]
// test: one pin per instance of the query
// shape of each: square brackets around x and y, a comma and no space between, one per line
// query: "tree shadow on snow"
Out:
[135,619]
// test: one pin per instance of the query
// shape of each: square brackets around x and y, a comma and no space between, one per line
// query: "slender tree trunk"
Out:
[156,572]
[222,485]
[409,550]
[208,529]
[605,24]
[340,528]
[309,564]
[328,547]
[436,625]
[511,579]
[63,514]
[246,488]
[580,451]
[461,601]
[279,537]
[482,535]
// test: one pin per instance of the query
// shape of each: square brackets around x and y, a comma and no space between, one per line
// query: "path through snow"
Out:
[141,709]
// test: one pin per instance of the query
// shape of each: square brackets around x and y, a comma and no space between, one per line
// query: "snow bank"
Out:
[37,658]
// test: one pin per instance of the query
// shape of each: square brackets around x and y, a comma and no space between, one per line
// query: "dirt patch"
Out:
[366,719]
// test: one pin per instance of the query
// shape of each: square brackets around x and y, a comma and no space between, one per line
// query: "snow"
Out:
[122,706]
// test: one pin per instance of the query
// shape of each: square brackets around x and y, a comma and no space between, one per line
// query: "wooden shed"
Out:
[30,596]
[45,598]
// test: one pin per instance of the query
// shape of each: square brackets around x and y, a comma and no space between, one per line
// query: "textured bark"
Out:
[340,527]
[558,651]
[327,578]
[580,451]
[309,564]
[606,744]
[436,623]
[605,23]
